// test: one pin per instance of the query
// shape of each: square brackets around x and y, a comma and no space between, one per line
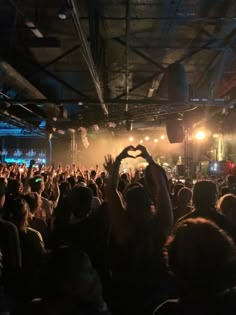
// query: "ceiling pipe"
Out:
[88,56]
[23,87]
[21,123]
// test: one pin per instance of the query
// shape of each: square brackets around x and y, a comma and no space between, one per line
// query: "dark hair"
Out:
[18,213]
[32,200]
[81,199]
[205,194]
[201,256]
[94,189]
[138,204]
[184,195]
[13,186]
[36,182]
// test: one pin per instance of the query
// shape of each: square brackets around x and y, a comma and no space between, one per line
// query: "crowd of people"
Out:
[101,241]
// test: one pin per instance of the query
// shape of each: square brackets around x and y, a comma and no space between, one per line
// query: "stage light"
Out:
[131,139]
[215,135]
[141,141]
[155,140]
[147,138]
[200,135]
[162,137]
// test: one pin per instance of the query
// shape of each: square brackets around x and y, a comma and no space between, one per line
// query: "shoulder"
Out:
[33,233]
[169,307]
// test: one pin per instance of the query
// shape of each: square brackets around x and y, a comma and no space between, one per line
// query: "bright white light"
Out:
[131,139]
[200,135]
[215,135]
[147,138]
[141,141]
[162,137]
[155,140]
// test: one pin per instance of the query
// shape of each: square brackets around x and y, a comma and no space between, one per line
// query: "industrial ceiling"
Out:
[71,64]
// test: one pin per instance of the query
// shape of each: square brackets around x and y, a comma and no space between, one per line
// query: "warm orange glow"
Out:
[147,138]
[155,140]
[200,135]
[131,139]
[162,137]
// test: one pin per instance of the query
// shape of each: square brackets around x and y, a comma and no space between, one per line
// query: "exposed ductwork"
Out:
[15,80]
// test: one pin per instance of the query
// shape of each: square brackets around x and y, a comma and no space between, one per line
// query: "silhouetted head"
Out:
[33,200]
[37,184]
[184,196]
[81,199]
[202,257]
[205,195]
[99,182]
[18,213]
[224,190]
[138,204]
[189,183]
[14,186]
[227,206]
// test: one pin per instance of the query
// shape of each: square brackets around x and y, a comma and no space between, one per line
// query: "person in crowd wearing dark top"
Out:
[73,285]
[14,190]
[37,185]
[205,195]
[36,220]
[183,203]
[137,236]
[10,255]
[202,258]
[32,248]
[227,206]
[87,231]
[177,188]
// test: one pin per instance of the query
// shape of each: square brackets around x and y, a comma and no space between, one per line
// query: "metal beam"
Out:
[50,74]
[88,56]
[222,43]
[22,106]
[52,62]
[139,53]
[141,83]
[143,101]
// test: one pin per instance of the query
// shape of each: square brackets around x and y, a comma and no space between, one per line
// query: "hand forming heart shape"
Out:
[134,153]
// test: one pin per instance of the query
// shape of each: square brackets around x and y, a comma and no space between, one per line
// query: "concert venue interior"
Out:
[79,80]
[117,157]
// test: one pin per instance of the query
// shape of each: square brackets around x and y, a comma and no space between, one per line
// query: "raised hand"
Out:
[144,153]
[108,164]
[125,153]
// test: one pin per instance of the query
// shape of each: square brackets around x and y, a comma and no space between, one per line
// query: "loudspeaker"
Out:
[178,89]
[174,84]
[81,138]
[175,131]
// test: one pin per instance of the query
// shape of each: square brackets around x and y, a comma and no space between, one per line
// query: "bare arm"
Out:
[121,228]
[158,186]
[161,198]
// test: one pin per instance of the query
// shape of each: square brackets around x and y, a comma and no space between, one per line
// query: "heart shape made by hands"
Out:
[134,153]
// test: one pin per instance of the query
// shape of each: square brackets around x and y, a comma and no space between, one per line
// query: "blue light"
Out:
[42,124]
